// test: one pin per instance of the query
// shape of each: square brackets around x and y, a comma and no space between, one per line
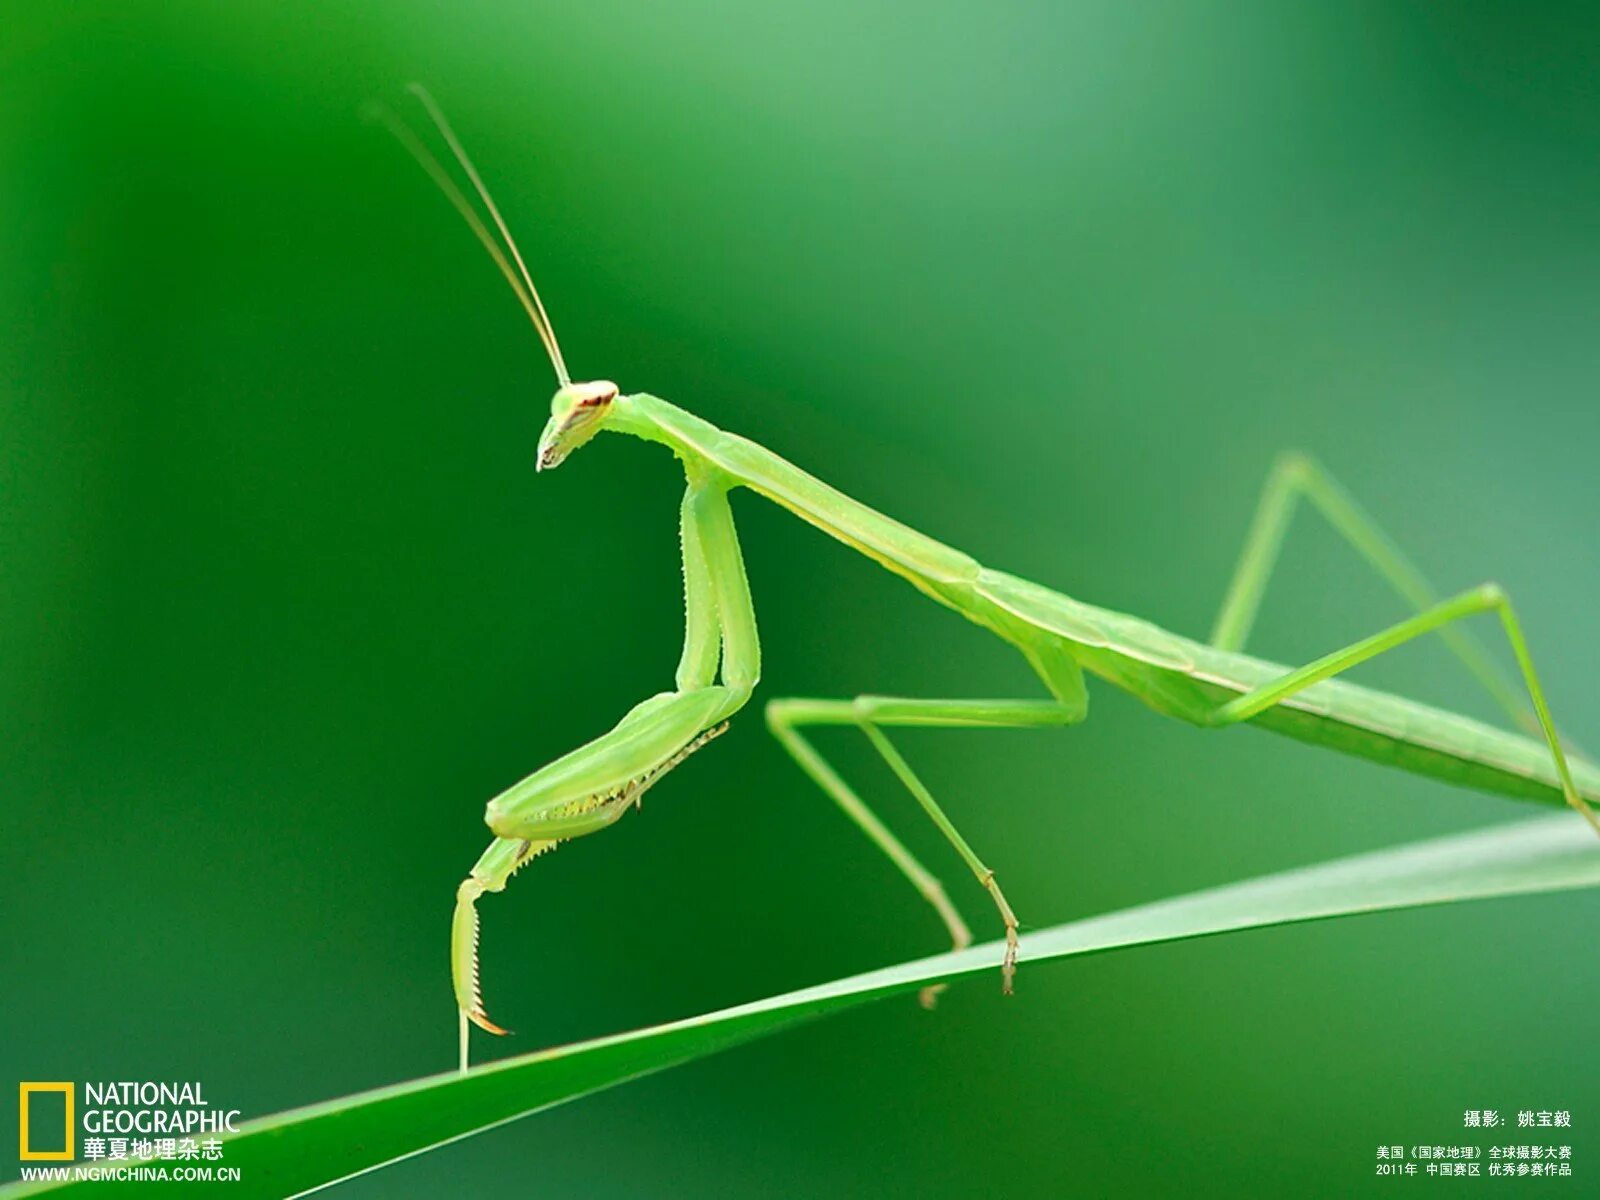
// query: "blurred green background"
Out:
[283,603]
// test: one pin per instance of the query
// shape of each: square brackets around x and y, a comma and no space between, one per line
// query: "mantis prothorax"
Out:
[1211,684]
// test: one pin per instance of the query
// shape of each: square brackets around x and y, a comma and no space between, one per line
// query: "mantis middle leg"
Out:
[871,714]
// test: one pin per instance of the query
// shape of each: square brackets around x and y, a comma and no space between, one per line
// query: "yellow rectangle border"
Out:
[24,1091]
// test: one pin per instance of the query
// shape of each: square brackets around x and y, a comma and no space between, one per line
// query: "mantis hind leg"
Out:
[871,714]
[1296,475]
[1440,617]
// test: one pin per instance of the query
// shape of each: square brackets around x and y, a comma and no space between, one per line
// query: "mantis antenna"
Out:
[520,280]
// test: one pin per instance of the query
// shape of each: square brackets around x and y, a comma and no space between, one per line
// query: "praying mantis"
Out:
[1211,684]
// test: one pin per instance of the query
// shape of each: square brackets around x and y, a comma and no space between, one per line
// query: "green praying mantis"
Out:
[1212,684]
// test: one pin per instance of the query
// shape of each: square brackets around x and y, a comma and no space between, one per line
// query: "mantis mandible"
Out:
[1212,684]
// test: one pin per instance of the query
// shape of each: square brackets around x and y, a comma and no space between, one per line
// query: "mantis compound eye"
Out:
[575,396]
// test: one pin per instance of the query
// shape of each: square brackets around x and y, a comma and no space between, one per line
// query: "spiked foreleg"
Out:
[592,787]
[502,860]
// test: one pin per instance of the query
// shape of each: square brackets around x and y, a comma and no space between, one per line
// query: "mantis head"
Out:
[577,413]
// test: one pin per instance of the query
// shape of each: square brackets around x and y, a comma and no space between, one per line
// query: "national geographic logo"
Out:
[121,1121]
[34,1133]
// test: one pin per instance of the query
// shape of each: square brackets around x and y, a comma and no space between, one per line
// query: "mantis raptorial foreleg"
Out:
[1488,597]
[594,786]
[870,714]
[1295,475]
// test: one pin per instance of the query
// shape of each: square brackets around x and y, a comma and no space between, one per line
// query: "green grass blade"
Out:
[312,1147]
